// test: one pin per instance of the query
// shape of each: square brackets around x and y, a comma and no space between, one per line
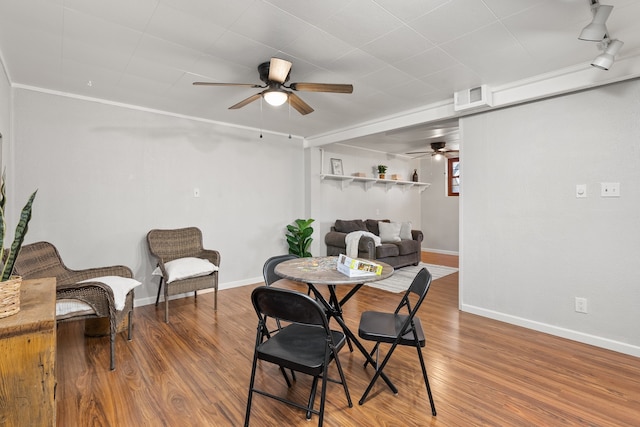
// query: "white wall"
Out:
[329,201]
[440,215]
[106,175]
[5,113]
[529,246]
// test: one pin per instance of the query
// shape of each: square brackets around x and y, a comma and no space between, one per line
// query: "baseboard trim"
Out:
[594,340]
[439,251]
[139,302]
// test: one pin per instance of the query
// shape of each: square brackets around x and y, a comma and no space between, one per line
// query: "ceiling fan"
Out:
[275,75]
[437,149]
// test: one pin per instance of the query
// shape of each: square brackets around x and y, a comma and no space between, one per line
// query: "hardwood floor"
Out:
[195,372]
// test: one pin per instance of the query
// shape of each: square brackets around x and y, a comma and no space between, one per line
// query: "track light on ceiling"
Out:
[605,60]
[275,97]
[596,30]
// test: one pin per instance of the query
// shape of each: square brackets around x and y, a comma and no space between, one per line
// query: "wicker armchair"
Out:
[170,245]
[41,259]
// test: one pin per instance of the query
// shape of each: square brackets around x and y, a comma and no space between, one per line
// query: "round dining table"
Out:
[316,271]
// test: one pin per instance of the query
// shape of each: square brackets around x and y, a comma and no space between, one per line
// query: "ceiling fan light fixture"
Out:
[597,30]
[275,97]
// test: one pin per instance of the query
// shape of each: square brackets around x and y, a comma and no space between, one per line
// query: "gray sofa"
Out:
[398,254]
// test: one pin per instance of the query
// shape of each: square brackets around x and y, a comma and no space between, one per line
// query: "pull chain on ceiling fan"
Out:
[275,74]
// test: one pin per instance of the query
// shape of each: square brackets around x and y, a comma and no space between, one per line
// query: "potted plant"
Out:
[10,285]
[299,237]
[382,169]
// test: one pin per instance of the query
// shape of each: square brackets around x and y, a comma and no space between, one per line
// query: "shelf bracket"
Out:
[346,182]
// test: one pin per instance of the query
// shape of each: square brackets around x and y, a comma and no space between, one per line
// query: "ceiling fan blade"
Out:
[246,101]
[279,70]
[419,152]
[226,84]
[296,102]
[322,87]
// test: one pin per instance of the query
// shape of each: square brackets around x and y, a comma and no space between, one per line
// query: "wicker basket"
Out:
[10,296]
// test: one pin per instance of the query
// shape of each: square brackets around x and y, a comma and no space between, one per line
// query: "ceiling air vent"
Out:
[472,98]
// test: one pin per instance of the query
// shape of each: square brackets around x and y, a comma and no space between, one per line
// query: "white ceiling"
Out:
[400,55]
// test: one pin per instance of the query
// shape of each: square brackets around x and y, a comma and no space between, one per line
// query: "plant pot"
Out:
[381,175]
[10,296]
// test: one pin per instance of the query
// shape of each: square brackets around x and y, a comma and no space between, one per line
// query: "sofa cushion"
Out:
[389,231]
[407,247]
[372,225]
[349,226]
[387,250]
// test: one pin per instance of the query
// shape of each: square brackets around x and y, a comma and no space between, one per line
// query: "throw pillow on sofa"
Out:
[389,231]
[343,226]
[405,231]
[372,225]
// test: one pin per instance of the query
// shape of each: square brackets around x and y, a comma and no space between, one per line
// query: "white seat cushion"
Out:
[186,268]
[66,308]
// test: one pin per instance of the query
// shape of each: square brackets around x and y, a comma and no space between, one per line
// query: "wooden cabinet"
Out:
[27,358]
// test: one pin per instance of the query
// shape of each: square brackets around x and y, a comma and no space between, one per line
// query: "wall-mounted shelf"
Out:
[346,180]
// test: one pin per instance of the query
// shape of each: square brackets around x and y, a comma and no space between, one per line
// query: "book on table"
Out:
[357,267]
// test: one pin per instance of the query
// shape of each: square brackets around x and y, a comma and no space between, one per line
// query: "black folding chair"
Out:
[305,345]
[398,329]
[270,277]
[268,270]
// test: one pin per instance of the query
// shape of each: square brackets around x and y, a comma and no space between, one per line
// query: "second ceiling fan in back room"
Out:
[275,74]
[437,149]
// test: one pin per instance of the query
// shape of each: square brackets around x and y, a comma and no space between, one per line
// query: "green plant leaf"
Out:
[21,231]
[299,237]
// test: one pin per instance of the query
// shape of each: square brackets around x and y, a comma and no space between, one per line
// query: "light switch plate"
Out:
[581,191]
[609,189]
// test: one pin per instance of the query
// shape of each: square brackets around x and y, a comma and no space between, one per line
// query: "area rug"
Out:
[402,277]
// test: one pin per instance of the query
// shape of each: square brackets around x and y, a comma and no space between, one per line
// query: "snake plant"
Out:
[299,237]
[10,255]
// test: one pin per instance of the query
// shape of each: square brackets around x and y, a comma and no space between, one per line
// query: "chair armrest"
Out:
[73,276]
[366,245]
[96,294]
[335,238]
[417,235]
[211,255]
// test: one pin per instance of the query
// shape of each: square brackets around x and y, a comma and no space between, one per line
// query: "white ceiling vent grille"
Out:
[472,98]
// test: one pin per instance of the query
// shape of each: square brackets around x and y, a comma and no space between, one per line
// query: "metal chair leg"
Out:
[426,380]
[112,342]
[130,328]
[159,289]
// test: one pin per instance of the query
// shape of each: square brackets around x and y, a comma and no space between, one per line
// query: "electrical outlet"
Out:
[609,189]
[581,305]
